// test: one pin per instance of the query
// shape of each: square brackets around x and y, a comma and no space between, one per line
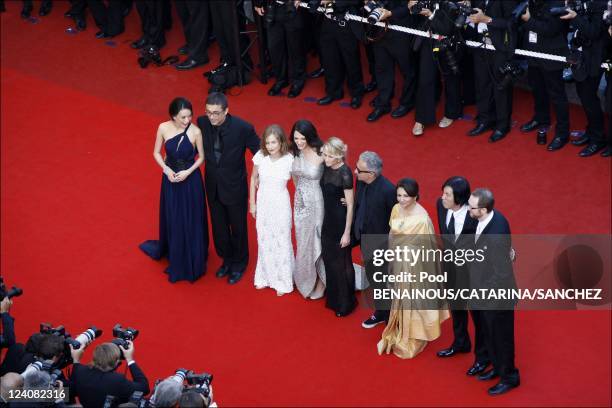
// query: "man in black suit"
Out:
[457,228]
[492,24]
[92,384]
[494,272]
[226,139]
[374,201]
[195,17]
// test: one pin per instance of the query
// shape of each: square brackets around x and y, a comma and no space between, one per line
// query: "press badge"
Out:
[533,37]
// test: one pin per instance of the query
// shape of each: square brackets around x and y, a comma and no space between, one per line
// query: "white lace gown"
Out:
[275,260]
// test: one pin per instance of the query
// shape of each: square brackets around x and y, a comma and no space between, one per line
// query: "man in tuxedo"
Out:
[457,228]
[374,201]
[493,26]
[492,238]
[93,384]
[226,138]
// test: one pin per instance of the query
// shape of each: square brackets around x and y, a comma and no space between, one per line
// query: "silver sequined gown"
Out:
[308,219]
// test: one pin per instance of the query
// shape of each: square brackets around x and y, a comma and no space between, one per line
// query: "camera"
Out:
[519,10]
[420,5]
[82,340]
[446,47]
[510,72]
[123,336]
[463,11]
[372,8]
[149,55]
[11,293]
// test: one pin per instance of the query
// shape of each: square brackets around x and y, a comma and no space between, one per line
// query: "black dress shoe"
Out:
[183,50]
[317,73]
[223,271]
[532,125]
[497,136]
[26,12]
[139,43]
[45,8]
[488,375]
[234,277]
[356,102]
[400,111]
[501,388]
[479,129]
[277,88]
[371,86]
[326,100]
[477,368]
[81,24]
[451,351]
[557,143]
[377,113]
[295,90]
[581,141]
[591,149]
[605,152]
[188,64]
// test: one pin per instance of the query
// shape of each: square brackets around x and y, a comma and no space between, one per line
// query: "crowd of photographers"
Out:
[579,30]
[47,371]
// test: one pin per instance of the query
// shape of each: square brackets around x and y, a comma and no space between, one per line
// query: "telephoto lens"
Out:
[541,136]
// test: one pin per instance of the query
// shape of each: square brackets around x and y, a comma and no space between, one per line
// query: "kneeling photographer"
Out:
[183,389]
[586,55]
[91,384]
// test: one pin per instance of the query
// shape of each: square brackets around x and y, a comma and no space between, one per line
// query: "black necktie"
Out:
[451,224]
[218,143]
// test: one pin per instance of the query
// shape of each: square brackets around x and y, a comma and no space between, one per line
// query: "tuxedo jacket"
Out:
[226,181]
[550,35]
[495,271]
[92,385]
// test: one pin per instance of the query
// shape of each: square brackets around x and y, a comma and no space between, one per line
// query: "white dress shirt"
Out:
[459,219]
[482,224]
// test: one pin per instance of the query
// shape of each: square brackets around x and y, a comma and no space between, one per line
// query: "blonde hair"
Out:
[336,147]
[277,131]
[106,356]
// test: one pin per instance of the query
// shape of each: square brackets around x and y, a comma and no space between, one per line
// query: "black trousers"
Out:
[494,105]
[221,13]
[499,338]
[548,86]
[609,106]
[286,46]
[461,336]
[195,18]
[230,235]
[77,7]
[587,91]
[425,110]
[341,59]
[108,18]
[369,51]
[394,48]
[151,14]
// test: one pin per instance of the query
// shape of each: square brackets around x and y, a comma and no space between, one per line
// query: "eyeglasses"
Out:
[217,113]
[330,156]
[362,171]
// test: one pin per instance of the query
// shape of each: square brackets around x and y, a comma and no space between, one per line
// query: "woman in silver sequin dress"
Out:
[307,169]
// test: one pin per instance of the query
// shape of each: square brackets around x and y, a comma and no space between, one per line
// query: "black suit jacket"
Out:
[495,271]
[226,181]
[501,31]
[92,385]
[593,34]
[551,35]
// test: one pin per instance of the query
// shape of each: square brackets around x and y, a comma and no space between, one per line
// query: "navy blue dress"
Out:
[183,224]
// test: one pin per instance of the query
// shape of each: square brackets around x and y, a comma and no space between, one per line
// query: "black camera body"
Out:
[446,47]
[149,55]
[463,12]
[510,72]
[123,337]
[82,340]
[11,293]
[420,5]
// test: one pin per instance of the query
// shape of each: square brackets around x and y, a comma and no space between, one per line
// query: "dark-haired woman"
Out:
[412,323]
[309,275]
[183,227]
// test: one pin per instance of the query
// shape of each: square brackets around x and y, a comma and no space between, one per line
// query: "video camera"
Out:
[11,293]
[123,336]
[82,340]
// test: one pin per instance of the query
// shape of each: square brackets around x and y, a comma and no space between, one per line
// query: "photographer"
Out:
[169,391]
[546,33]
[92,384]
[588,46]
[285,24]
[394,47]
[492,26]
[431,52]
[45,348]
[340,54]
[8,326]
[193,399]
[41,380]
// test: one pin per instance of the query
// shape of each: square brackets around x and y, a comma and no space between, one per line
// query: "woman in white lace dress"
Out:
[309,276]
[271,207]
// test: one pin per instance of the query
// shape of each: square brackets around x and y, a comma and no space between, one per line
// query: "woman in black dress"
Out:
[337,184]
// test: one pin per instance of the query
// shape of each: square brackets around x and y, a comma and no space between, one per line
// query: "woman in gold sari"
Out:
[410,325]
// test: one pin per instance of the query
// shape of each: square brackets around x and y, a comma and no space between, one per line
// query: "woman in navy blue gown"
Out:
[183,226]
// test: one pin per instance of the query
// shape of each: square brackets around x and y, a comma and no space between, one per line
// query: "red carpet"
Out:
[80,190]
